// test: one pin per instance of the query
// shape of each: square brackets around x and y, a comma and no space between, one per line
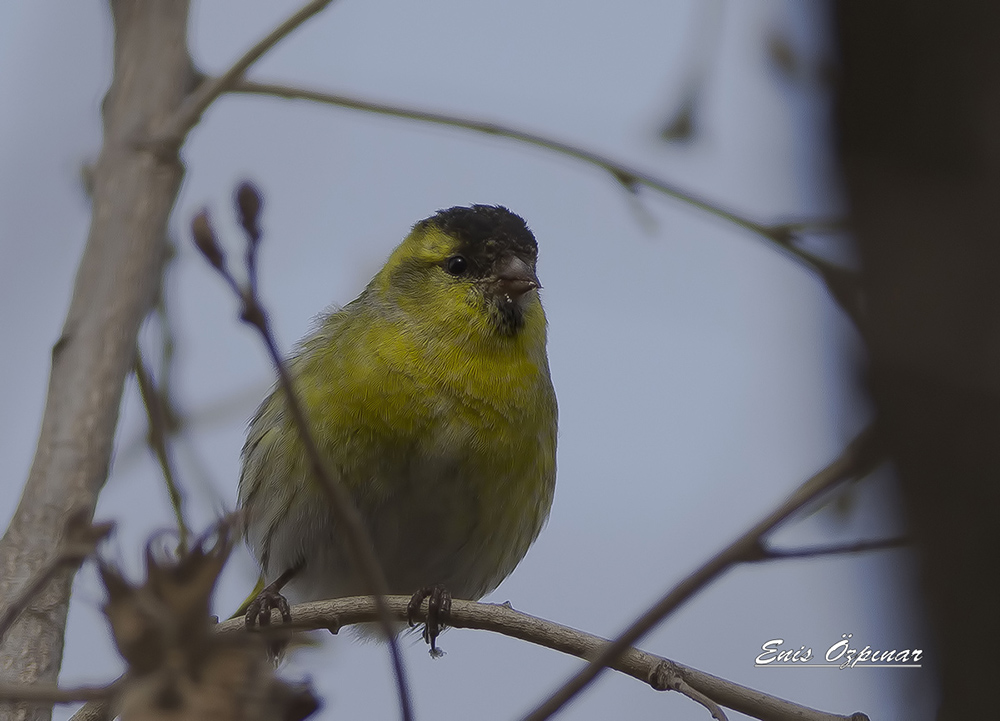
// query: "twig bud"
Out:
[204,238]
[248,203]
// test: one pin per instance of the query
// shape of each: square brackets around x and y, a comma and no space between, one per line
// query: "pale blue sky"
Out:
[701,376]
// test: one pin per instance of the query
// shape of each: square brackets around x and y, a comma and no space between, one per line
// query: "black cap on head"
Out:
[485,232]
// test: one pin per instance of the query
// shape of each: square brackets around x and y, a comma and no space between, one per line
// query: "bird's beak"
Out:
[514,277]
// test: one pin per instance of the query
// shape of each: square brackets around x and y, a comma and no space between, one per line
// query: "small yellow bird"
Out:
[431,397]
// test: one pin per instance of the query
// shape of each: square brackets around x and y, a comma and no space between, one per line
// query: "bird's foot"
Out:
[259,614]
[438,610]
[259,611]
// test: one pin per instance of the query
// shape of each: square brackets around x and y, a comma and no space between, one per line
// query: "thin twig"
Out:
[211,88]
[359,544]
[631,178]
[164,372]
[777,554]
[168,349]
[683,687]
[656,671]
[842,283]
[675,682]
[79,541]
[156,439]
[857,459]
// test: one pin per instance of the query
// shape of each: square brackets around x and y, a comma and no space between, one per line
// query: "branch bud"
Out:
[248,203]
[204,238]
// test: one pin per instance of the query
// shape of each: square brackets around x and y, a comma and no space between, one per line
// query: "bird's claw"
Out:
[438,611]
[259,611]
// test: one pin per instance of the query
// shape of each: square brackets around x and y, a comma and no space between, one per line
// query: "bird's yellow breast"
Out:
[447,448]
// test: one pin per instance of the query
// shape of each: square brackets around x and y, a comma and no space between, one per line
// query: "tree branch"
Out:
[781,234]
[658,672]
[211,88]
[857,459]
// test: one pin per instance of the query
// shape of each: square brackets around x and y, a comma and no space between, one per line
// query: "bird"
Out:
[431,398]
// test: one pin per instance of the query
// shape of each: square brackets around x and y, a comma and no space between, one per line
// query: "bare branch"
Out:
[842,283]
[857,459]
[211,88]
[659,673]
[650,669]
[359,543]
[780,234]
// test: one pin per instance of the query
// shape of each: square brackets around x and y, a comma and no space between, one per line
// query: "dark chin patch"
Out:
[506,314]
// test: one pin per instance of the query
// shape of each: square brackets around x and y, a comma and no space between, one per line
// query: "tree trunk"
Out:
[135,184]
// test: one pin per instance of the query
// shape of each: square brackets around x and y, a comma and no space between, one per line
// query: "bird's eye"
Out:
[456,265]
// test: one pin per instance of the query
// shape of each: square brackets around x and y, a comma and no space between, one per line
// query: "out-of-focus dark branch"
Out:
[778,554]
[156,438]
[359,543]
[164,372]
[859,458]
